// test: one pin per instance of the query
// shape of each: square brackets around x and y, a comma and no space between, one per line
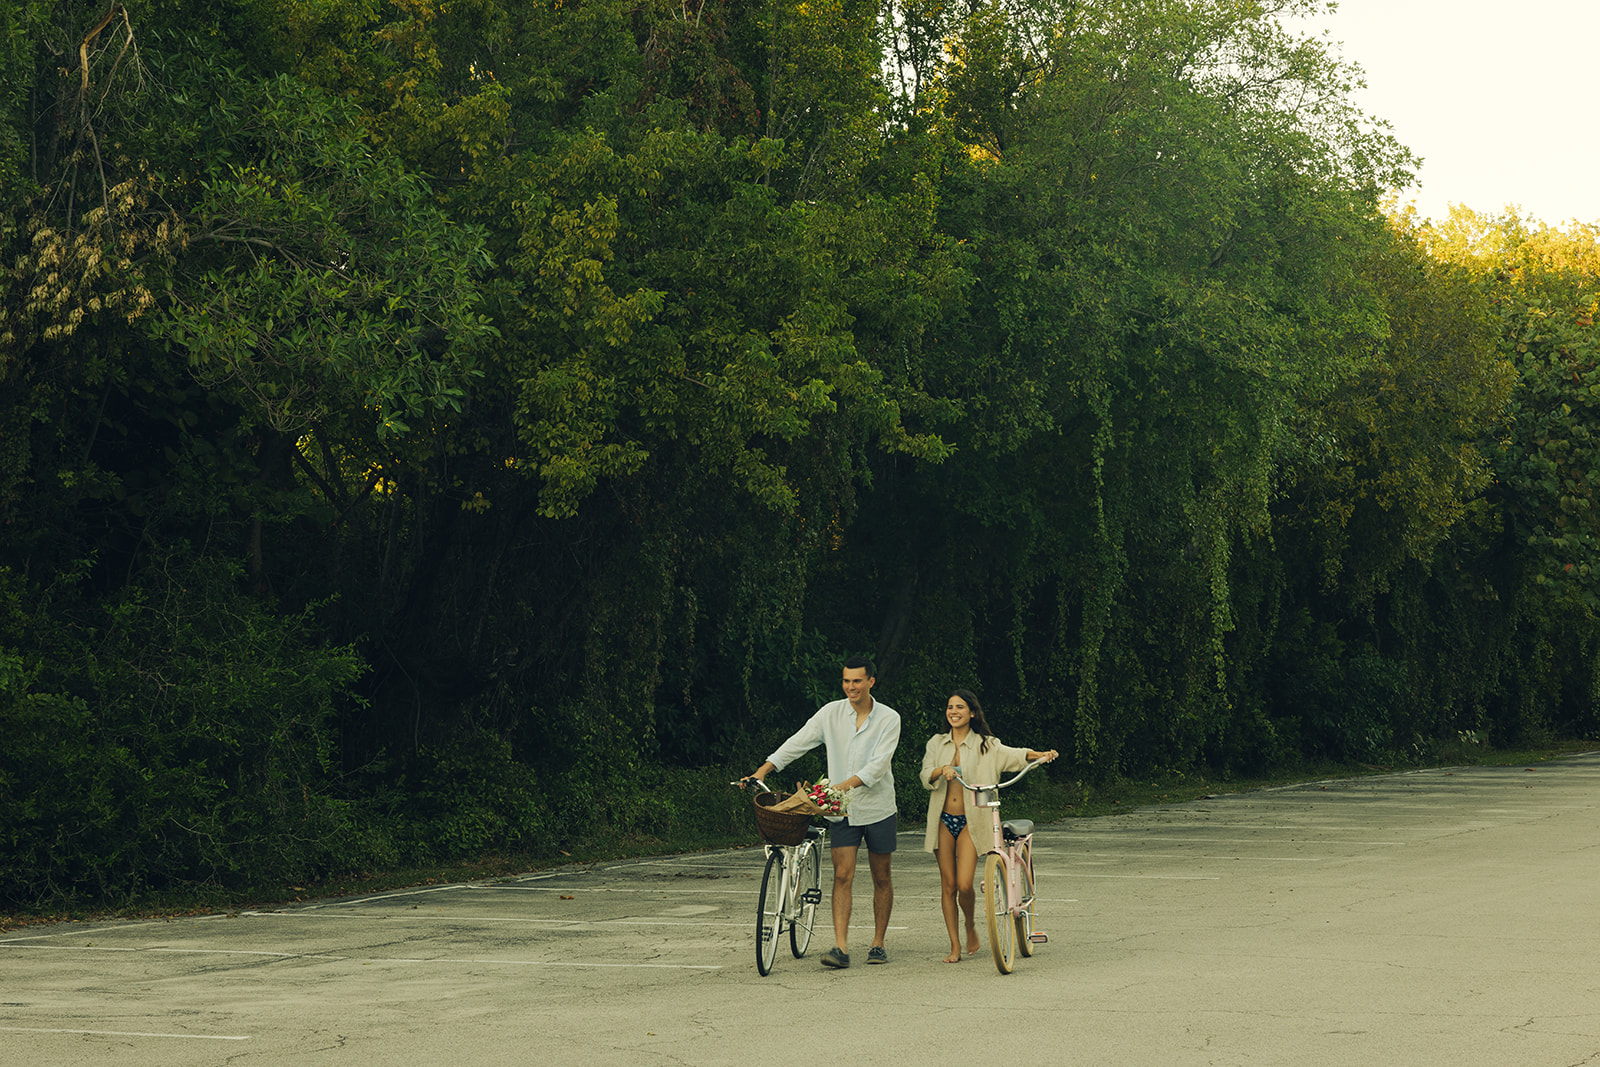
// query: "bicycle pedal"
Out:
[1038,937]
[811,896]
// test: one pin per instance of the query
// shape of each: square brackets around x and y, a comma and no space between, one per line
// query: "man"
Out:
[860,734]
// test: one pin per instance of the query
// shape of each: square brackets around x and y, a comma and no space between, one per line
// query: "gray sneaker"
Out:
[834,958]
[876,954]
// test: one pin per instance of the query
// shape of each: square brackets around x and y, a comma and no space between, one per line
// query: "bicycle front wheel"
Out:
[1002,929]
[805,889]
[1026,916]
[769,913]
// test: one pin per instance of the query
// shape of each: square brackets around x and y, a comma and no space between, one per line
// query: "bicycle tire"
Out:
[806,890]
[997,903]
[769,913]
[1026,917]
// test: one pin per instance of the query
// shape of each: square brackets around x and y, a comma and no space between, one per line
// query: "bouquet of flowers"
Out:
[832,801]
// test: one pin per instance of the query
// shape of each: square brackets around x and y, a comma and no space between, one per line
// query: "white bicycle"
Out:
[791,885]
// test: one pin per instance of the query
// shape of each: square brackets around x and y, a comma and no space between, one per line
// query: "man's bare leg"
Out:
[844,873]
[882,895]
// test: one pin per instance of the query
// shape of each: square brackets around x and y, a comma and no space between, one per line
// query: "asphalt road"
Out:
[1436,917]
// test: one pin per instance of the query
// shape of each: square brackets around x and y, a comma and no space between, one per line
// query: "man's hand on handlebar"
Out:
[760,775]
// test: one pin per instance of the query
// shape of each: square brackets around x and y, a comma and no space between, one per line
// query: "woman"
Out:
[971,750]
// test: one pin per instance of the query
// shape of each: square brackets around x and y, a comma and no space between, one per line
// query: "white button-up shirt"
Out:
[865,753]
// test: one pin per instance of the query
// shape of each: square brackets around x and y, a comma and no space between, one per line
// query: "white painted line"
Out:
[472,919]
[185,951]
[89,948]
[549,963]
[573,923]
[1190,856]
[436,959]
[1153,877]
[650,922]
[123,1033]
[742,925]
[241,952]
[550,874]
[383,896]
[1156,834]
[592,892]
[74,932]
[553,922]
[752,866]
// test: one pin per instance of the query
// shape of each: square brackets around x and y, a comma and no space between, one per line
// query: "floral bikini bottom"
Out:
[954,823]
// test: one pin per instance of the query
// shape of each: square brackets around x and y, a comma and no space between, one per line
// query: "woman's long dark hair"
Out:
[978,723]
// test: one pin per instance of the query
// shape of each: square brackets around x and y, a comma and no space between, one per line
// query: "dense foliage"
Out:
[428,428]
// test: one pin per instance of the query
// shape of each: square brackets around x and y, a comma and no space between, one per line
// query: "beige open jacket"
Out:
[986,768]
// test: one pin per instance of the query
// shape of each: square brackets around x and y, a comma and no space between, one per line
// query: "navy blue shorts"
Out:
[880,835]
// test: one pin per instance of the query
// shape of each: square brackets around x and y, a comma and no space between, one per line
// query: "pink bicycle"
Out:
[1008,879]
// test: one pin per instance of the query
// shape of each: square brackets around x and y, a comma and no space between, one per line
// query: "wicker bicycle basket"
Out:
[779,827]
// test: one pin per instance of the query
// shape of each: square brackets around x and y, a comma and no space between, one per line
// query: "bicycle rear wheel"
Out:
[805,886]
[1026,917]
[997,903]
[769,912]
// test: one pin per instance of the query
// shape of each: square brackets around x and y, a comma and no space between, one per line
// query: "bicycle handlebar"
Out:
[764,787]
[1001,785]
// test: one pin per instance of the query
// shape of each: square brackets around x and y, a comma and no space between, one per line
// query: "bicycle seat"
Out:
[1017,828]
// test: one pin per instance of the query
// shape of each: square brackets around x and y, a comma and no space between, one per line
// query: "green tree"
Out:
[1171,205]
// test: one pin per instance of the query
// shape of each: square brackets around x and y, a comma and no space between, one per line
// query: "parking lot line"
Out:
[123,1033]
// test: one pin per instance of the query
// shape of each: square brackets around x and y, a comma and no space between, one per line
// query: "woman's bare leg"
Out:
[966,867]
[946,855]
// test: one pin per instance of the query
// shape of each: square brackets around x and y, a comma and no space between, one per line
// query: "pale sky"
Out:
[1500,99]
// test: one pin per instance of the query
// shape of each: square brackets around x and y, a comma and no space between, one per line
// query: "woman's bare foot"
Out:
[954,957]
[972,943]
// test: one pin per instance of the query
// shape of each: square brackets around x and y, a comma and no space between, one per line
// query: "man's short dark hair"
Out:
[859,662]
